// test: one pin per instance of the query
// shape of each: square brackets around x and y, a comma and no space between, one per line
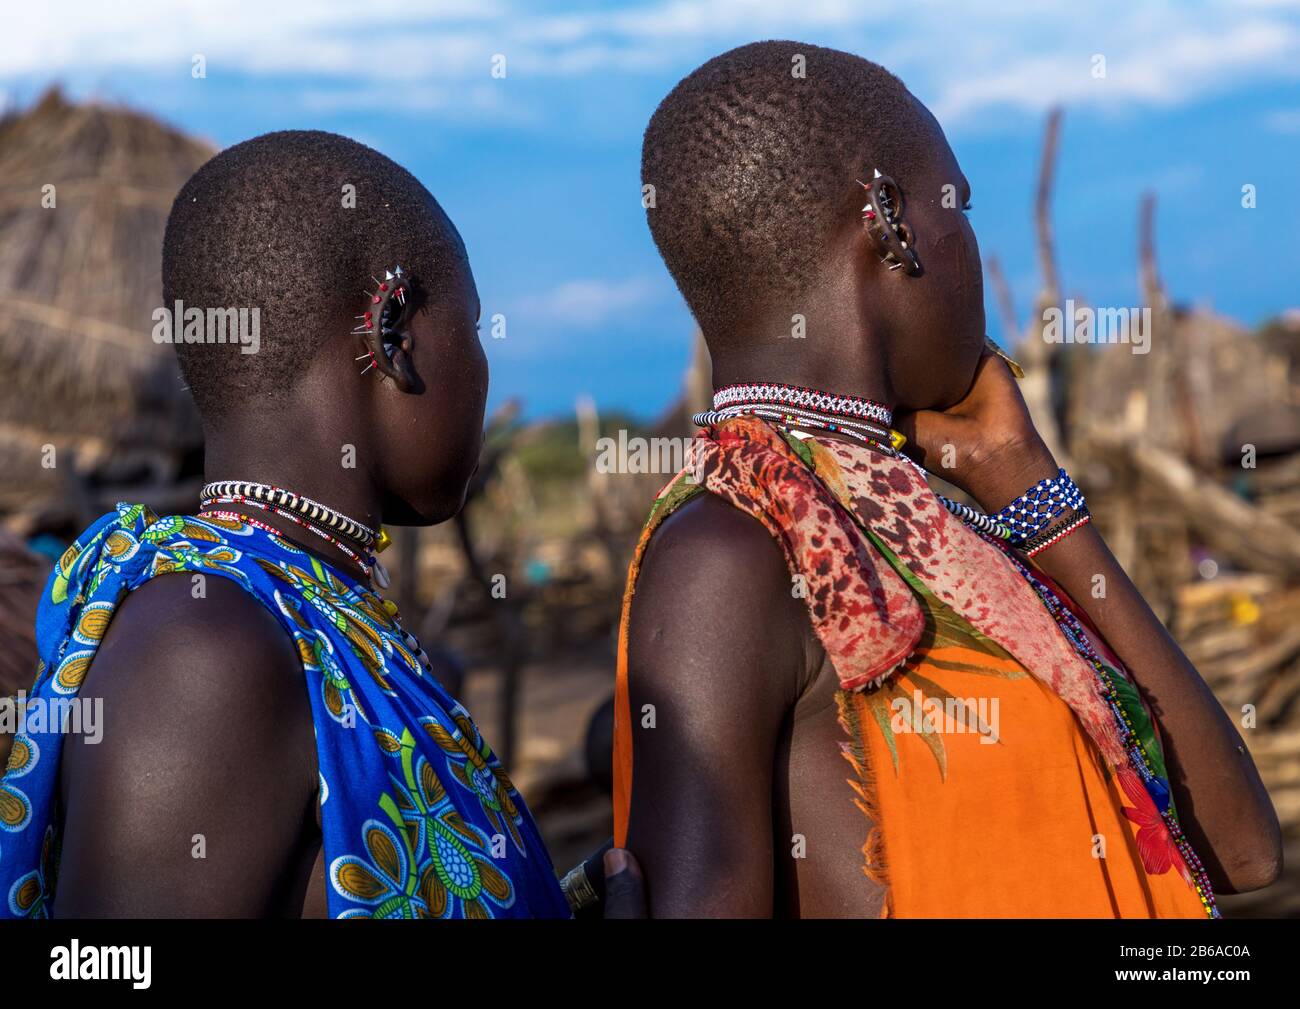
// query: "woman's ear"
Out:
[883,217]
[396,362]
[385,327]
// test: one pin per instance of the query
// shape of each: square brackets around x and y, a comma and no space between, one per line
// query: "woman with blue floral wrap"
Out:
[218,785]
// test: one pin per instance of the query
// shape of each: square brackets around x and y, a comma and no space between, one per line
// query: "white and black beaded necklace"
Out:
[328,523]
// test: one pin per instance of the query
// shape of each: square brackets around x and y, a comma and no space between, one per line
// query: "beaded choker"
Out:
[330,525]
[797,407]
[336,521]
[847,408]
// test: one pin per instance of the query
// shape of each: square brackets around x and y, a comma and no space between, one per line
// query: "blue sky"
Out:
[540,169]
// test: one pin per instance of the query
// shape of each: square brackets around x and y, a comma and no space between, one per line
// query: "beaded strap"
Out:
[412,643]
[362,562]
[1053,535]
[976,519]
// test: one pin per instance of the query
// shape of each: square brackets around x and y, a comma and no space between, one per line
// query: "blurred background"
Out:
[1121,154]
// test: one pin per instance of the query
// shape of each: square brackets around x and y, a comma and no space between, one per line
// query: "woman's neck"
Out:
[300,471]
[846,366]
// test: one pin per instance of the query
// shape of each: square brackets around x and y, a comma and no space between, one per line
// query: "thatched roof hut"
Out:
[85,190]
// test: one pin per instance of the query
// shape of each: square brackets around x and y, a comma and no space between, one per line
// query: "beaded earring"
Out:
[379,323]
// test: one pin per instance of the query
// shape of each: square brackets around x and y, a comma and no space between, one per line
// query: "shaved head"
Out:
[268,224]
[753,157]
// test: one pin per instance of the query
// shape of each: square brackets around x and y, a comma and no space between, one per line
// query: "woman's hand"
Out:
[986,444]
[625,895]
[614,883]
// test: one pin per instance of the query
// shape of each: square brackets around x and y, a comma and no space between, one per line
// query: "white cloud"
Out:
[588,303]
[380,39]
[967,61]
[1164,67]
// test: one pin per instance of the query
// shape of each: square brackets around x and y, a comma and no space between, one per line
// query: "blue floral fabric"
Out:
[419,820]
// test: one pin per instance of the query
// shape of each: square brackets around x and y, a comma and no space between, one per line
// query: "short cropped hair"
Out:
[750,156]
[295,224]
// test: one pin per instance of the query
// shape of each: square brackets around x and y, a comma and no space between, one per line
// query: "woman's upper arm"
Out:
[716,649]
[193,800]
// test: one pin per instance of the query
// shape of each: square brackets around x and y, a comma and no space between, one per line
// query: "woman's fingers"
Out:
[624,885]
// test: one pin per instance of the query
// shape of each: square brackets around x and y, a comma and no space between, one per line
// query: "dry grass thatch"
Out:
[78,284]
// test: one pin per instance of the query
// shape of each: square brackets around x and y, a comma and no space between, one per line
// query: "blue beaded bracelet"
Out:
[1035,509]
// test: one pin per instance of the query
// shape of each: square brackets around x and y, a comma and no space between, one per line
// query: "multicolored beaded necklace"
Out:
[360,561]
[412,643]
[1074,632]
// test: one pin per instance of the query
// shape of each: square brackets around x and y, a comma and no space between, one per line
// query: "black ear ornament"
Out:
[381,324]
[881,215]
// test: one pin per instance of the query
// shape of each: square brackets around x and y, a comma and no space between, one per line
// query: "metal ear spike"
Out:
[380,322]
[881,214]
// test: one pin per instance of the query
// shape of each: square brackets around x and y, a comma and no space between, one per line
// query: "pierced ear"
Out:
[383,327]
[395,362]
[890,235]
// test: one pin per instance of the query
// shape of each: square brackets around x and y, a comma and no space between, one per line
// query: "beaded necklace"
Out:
[307,514]
[876,438]
[362,562]
[304,506]
[795,415]
[779,394]
[390,607]
[1157,789]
